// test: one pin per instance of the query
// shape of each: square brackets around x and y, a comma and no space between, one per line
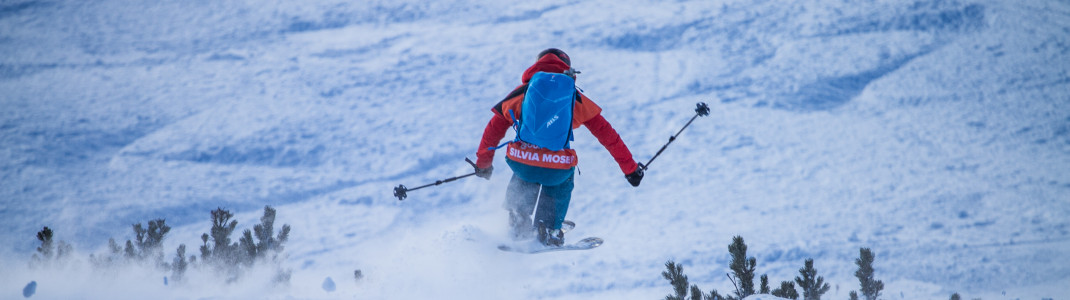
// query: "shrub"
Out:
[742,267]
[870,288]
[813,286]
[232,259]
[675,275]
[261,245]
[49,254]
[786,290]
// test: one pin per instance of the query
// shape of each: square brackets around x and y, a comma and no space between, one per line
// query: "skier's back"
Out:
[543,173]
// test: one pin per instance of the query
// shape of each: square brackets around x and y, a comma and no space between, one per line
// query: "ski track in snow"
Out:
[936,133]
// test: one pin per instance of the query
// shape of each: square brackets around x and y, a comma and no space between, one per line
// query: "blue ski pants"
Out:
[549,189]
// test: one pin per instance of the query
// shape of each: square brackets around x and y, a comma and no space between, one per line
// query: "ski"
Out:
[535,247]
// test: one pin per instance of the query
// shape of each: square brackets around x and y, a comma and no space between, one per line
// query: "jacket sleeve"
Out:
[609,138]
[492,134]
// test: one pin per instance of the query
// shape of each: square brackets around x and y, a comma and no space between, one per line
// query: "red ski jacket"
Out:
[585,112]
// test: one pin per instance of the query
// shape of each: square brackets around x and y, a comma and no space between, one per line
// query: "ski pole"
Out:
[701,110]
[402,192]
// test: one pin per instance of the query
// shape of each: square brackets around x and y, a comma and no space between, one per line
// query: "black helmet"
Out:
[560,54]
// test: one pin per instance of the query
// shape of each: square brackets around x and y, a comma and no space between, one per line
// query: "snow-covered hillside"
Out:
[935,132]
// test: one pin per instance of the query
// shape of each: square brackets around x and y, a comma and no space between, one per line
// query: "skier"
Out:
[541,175]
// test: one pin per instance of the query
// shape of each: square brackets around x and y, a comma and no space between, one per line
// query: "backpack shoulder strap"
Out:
[503,106]
[516,128]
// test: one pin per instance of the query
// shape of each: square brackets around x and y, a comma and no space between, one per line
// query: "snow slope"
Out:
[936,132]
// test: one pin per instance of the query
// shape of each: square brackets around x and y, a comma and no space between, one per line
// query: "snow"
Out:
[935,132]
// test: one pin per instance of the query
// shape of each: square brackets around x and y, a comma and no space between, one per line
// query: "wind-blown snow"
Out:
[936,133]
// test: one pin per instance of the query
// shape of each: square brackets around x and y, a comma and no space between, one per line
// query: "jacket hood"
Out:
[546,63]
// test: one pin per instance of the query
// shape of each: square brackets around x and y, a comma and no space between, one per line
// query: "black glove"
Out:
[485,172]
[636,176]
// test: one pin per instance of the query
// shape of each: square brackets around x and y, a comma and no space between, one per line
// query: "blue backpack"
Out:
[546,118]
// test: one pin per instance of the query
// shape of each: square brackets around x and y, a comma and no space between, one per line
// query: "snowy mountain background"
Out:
[936,133]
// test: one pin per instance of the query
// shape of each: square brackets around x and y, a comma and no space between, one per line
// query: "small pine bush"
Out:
[742,267]
[675,276]
[146,249]
[871,289]
[232,259]
[113,257]
[258,246]
[786,290]
[222,254]
[179,265]
[813,286]
[674,273]
[50,253]
[149,242]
